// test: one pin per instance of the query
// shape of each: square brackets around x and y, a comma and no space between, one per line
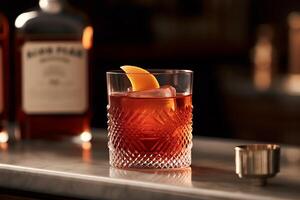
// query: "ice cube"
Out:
[164,91]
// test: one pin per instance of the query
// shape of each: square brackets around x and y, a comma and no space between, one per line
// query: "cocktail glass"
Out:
[150,128]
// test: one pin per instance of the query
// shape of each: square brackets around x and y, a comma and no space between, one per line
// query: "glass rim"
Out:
[153,72]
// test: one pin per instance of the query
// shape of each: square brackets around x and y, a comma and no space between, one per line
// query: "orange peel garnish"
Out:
[140,78]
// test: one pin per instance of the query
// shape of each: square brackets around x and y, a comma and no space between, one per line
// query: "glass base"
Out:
[123,159]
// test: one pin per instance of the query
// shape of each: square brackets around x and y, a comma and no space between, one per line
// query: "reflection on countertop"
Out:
[181,177]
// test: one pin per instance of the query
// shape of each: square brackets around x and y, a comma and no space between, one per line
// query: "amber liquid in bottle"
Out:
[4,77]
[52,71]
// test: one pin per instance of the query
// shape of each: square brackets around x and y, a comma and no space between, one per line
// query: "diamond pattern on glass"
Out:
[155,138]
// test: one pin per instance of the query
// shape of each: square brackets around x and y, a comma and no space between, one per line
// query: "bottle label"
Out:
[1,80]
[54,77]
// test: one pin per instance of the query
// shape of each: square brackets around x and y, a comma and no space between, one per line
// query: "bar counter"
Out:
[82,171]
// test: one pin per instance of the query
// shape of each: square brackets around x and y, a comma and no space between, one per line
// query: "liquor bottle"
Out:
[52,71]
[291,81]
[294,42]
[4,72]
[264,58]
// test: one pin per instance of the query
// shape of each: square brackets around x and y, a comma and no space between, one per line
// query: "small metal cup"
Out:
[257,162]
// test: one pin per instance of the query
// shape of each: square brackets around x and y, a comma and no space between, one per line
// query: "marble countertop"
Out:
[83,171]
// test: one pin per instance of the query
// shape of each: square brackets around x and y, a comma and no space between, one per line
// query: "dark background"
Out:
[211,37]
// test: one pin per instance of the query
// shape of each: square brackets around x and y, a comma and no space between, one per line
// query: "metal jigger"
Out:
[257,162]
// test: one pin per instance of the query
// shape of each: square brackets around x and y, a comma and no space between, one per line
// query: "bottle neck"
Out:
[52,6]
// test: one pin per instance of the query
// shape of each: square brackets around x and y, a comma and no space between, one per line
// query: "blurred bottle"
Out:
[291,83]
[4,72]
[294,42]
[52,71]
[264,58]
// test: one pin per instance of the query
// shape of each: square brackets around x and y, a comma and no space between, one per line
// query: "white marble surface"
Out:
[62,168]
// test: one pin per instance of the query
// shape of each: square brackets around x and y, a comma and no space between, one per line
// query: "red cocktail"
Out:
[150,128]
